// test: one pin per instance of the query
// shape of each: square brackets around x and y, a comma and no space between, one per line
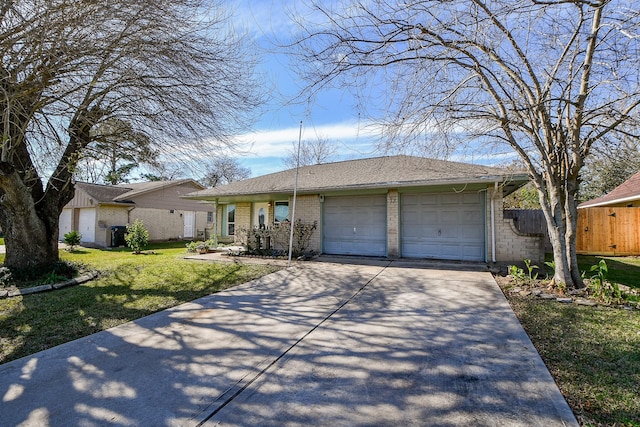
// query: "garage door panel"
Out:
[87,224]
[355,225]
[64,226]
[443,226]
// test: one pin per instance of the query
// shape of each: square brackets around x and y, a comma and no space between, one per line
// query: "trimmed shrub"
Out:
[137,236]
[72,239]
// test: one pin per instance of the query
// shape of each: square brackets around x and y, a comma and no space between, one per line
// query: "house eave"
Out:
[609,202]
[459,183]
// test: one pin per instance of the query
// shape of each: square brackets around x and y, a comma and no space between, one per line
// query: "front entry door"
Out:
[261,215]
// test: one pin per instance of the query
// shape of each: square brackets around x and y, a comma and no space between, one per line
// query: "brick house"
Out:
[396,206]
[95,208]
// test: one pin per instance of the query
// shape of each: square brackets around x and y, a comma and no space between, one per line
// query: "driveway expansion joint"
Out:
[260,372]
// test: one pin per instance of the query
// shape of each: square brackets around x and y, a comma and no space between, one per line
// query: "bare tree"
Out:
[173,69]
[549,79]
[312,152]
[223,170]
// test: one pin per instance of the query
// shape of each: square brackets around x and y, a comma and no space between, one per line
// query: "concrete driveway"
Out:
[316,344]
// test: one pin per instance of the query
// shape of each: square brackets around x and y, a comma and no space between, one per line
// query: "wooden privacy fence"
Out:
[608,231]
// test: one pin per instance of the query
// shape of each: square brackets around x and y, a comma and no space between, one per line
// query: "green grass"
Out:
[131,286]
[593,355]
[622,270]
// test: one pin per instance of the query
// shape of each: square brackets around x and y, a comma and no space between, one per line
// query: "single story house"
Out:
[96,208]
[395,206]
[610,225]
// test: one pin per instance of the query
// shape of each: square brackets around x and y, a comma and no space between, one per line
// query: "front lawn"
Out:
[130,287]
[593,353]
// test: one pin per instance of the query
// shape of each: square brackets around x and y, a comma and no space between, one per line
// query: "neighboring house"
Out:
[398,206]
[166,215]
[625,195]
[610,225]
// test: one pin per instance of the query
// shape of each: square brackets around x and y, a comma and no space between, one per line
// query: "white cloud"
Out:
[351,136]
[269,19]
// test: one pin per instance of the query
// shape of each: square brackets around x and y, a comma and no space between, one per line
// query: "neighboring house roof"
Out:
[101,193]
[138,188]
[373,173]
[123,193]
[628,191]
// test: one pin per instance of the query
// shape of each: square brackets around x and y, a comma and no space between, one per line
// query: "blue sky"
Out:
[333,116]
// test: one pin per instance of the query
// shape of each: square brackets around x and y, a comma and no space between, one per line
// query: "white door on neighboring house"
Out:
[87,225]
[65,223]
[261,215]
[189,218]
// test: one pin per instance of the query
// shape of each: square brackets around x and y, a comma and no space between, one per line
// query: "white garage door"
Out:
[443,226]
[64,226]
[87,224]
[355,225]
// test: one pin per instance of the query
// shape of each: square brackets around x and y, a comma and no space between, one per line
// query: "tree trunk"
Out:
[571,215]
[29,242]
[30,229]
[561,223]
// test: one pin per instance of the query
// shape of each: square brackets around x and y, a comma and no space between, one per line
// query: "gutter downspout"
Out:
[129,214]
[493,222]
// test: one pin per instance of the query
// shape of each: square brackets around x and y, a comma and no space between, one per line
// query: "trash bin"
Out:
[117,235]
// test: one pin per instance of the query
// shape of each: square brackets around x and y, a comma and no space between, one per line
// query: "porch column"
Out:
[393,224]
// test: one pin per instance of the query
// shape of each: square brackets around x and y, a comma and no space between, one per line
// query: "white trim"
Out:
[610,202]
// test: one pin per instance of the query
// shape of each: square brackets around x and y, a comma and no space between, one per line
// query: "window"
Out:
[230,220]
[209,217]
[281,211]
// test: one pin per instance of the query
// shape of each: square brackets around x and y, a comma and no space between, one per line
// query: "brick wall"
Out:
[308,209]
[162,224]
[106,218]
[243,217]
[511,245]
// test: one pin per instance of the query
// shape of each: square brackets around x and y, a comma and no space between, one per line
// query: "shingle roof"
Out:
[378,172]
[123,193]
[102,193]
[626,192]
[135,189]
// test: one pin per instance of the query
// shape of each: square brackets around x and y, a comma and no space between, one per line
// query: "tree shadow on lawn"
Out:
[41,321]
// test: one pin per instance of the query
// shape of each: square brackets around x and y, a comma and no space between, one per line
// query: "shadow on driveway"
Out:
[316,344]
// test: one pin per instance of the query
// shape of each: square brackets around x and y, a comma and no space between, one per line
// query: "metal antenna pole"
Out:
[295,192]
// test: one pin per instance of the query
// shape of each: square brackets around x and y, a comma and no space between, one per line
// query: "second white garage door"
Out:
[355,225]
[443,226]
[87,225]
